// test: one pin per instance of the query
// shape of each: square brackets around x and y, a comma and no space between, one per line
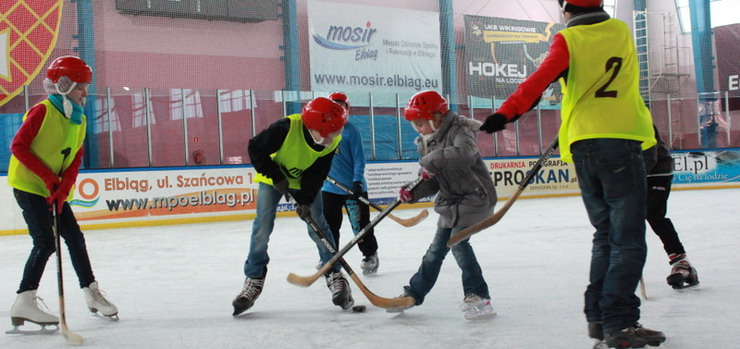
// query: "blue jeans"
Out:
[472,276]
[611,175]
[38,216]
[255,267]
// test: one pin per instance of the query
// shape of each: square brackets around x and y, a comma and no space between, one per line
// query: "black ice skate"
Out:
[683,275]
[249,294]
[634,336]
[341,294]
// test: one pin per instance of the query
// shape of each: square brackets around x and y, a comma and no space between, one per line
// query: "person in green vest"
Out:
[46,157]
[292,158]
[605,126]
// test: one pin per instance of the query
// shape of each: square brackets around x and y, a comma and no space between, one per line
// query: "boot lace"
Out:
[252,288]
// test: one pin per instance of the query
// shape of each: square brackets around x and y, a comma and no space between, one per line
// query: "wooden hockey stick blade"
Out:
[496,216]
[382,302]
[410,222]
[71,337]
[305,281]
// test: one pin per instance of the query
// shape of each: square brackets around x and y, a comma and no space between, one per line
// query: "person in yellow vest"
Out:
[293,156]
[605,126]
[46,157]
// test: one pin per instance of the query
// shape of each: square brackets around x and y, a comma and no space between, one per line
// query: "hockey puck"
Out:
[359,308]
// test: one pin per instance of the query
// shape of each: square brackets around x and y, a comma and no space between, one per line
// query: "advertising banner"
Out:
[125,198]
[500,53]
[705,167]
[372,49]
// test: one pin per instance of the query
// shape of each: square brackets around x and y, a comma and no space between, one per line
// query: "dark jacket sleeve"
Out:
[265,143]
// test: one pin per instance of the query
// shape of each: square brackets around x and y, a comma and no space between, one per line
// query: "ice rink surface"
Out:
[174,285]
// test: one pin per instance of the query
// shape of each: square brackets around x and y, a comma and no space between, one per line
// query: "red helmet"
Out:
[323,115]
[70,66]
[340,97]
[582,3]
[423,105]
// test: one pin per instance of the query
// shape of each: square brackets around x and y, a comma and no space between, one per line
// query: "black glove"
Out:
[281,185]
[494,123]
[357,190]
[303,211]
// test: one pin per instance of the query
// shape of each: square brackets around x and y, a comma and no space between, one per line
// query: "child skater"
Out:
[47,153]
[293,155]
[454,170]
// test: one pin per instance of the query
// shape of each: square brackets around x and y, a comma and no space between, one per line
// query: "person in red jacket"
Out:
[46,157]
[605,126]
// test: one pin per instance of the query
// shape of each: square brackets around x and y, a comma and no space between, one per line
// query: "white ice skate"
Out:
[97,303]
[476,307]
[26,308]
[370,265]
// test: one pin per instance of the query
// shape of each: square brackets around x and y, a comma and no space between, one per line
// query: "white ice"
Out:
[174,284]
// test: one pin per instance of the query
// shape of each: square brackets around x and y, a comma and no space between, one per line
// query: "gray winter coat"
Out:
[464,188]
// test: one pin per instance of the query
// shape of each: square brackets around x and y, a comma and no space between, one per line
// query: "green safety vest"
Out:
[601,94]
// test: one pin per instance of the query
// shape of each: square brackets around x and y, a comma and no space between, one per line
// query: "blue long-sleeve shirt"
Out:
[348,165]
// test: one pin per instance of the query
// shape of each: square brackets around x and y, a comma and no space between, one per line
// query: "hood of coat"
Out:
[450,119]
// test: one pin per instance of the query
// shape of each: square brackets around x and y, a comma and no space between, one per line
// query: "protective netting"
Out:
[189,82]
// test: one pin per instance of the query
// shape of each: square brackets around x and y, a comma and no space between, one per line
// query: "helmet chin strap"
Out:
[319,141]
[65,101]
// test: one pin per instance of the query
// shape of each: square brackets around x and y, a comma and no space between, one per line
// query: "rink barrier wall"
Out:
[119,198]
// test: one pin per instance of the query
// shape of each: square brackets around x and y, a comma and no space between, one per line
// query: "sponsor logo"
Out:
[28,34]
[346,37]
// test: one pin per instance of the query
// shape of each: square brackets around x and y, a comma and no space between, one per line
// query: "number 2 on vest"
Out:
[616,64]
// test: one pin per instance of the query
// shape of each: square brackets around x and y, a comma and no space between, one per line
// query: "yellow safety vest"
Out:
[601,95]
[295,155]
[56,144]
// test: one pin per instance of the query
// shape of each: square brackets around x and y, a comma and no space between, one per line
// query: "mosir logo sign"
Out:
[346,37]
[28,33]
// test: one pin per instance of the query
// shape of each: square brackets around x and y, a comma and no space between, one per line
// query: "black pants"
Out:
[38,216]
[359,217]
[659,187]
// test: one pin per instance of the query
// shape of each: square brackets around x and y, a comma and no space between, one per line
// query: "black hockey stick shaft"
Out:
[409,222]
[494,218]
[376,300]
[308,280]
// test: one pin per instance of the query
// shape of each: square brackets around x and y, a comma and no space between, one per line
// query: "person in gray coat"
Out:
[454,170]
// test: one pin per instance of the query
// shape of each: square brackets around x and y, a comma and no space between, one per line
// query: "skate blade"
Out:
[42,330]
[686,288]
[484,316]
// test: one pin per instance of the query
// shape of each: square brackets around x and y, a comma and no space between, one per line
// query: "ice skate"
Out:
[683,275]
[370,264]
[402,308]
[476,307]
[249,294]
[634,336]
[97,303]
[26,308]
[341,294]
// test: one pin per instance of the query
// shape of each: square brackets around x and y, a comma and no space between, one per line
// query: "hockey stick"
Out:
[306,281]
[406,222]
[642,288]
[376,300]
[494,218]
[71,337]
